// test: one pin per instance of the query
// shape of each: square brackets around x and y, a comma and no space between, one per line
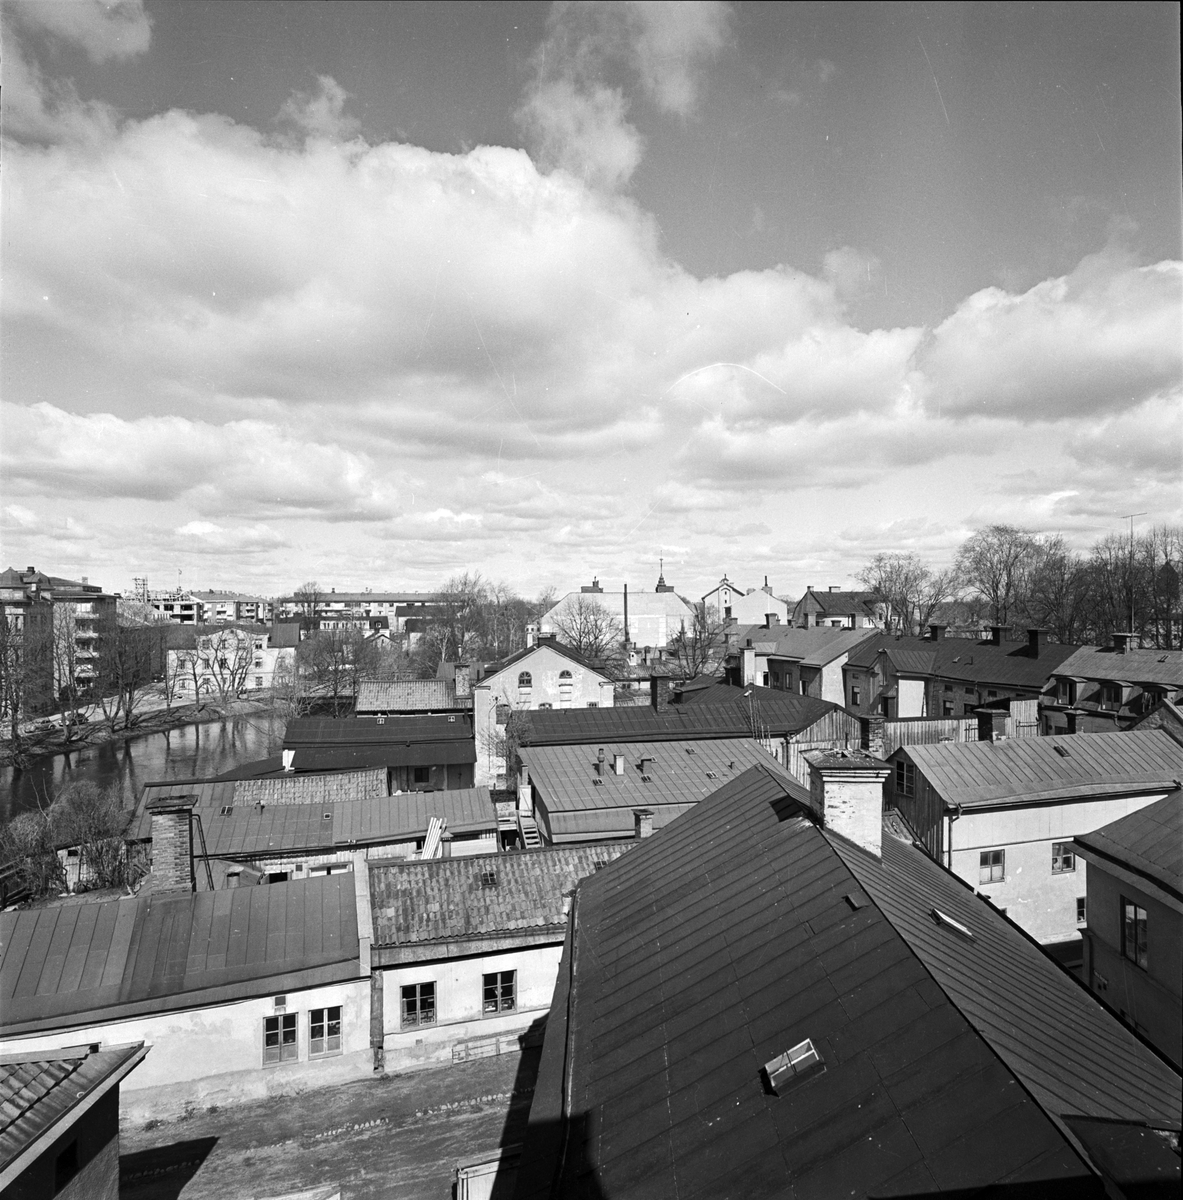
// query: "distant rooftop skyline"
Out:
[378,293]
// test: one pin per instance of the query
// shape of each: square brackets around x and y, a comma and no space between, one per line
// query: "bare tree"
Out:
[911,590]
[698,648]
[126,660]
[93,819]
[331,661]
[994,562]
[26,667]
[1059,591]
[308,597]
[585,625]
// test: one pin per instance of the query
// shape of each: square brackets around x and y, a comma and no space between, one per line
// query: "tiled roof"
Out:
[407,695]
[313,789]
[741,931]
[319,732]
[40,1089]
[1024,769]
[1148,842]
[679,774]
[1134,666]
[479,895]
[154,953]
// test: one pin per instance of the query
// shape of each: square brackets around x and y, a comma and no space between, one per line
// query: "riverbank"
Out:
[100,733]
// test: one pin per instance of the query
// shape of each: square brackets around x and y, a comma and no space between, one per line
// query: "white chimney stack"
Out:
[846,792]
[289,760]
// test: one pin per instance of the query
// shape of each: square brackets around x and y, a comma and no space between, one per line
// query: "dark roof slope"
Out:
[1009,664]
[729,938]
[40,1089]
[1148,842]
[322,732]
[479,895]
[83,963]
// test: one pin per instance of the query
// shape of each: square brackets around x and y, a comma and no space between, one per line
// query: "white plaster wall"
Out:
[1043,903]
[214,1055]
[832,685]
[911,697]
[459,991]
[751,610]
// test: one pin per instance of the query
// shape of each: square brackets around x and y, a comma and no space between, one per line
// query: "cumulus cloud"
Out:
[321,113]
[576,118]
[104,29]
[207,537]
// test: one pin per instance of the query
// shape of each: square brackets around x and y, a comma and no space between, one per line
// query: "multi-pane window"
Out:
[1063,858]
[422,774]
[947,708]
[279,1038]
[324,1031]
[500,991]
[1081,910]
[992,866]
[418,1004]
[855,697]
[525,679]
[905,778]
[1133,932]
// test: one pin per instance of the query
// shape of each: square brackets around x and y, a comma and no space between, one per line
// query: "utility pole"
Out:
[1130,568]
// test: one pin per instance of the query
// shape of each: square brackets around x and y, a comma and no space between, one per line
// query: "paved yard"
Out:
[396,1135]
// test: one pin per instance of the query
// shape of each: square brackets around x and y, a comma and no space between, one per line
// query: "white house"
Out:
[646,618]
[548,675]
[232,659]
[753,606]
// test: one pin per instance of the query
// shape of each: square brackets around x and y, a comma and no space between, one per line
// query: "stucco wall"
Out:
[214,1055]
[1043,903]
[910,702]
[458,996]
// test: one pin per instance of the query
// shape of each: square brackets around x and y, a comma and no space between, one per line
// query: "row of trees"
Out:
[1007,576]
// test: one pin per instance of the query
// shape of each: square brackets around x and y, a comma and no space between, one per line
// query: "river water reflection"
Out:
[192,751]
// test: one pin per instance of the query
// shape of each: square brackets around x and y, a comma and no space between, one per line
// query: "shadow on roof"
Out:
[163,1172]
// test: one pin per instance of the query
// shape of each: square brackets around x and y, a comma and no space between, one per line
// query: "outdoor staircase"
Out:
[529,828]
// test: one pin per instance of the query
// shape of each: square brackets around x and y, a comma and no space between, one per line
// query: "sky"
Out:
[375,294]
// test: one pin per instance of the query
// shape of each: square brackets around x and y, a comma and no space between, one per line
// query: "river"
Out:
[188,752]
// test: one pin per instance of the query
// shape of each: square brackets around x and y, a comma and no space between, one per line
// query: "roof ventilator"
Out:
[227,809]
[793,1067]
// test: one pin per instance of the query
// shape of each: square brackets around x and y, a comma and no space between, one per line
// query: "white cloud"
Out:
[105,29]
[322,113]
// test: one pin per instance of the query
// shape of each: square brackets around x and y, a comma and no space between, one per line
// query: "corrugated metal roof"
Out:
[714,947]
[155,953]
[39,1090]
[1148,842]
[407,695]
[680,773]
[451,898]
[1050,1031]
[1134,666]
[1022,769]
[338,733]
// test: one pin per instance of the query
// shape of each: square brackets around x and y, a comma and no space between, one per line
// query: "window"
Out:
[258,681]
[564,675]
[1081,910]
[419,1004]
[544,704]
[422,774]
[525,680]
[991,695]
[992,866]
[1133,932]
[324,1031]
[279,1038]
[1064,690]
[503,714]
[1110,695]
[500,991]
[905,778]
[947,708]
[1063,858]
[565,688]
[593,704]
[970,692]
[855,697]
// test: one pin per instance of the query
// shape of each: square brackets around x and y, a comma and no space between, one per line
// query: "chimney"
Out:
[846,793]
[766,588]
[771,619]
[659,692]
[833,588]
[172,844]
[600,761]
[445,844]
[289,760]
[646,764]
[991,724]
[463,678]
[594,588]
[626,616]
[872,735]
[532,632]
[997,633]
[1036,639]
[642,823]
[936,632]
[1119,642]
[618,764]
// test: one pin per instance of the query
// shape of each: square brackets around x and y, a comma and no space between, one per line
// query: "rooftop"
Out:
[479,896]
[1148,842]
[309,732]
[1024,770]
[407,695]
[742,932]
[115,959]
[777,711]
[812,647]
[1133,666]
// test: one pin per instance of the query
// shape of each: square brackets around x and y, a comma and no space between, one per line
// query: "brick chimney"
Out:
[463,678]
[172,844]
[872,735]
[991,724]
[600,761]
[659,692]
[846,793]
[936,632]
[642,823]
[1120,640]
[997,633]
[1036,640]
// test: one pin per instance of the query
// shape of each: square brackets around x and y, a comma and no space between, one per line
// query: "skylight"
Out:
[950,923]
[488,879]
[1062,751]
[227,809]
[793,1067]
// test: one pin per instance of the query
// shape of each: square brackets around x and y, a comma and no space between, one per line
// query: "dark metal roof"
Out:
[781,712]
[1164,667]
[454,898]
[120,958]
[1148,842]
[337,733]
[1024,770]
[714,947]
[40,1089]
